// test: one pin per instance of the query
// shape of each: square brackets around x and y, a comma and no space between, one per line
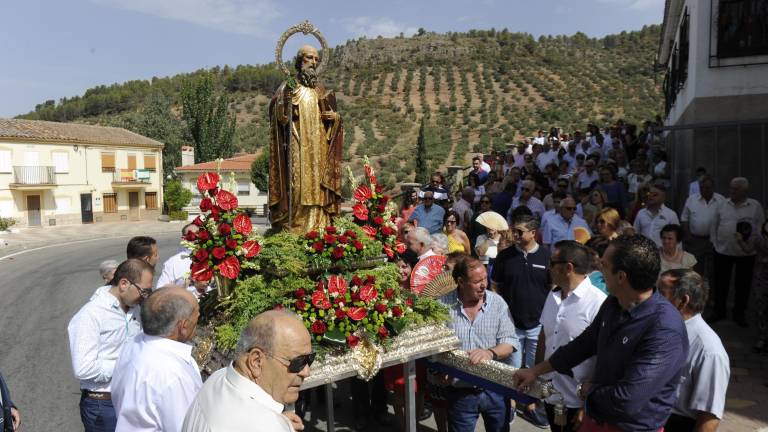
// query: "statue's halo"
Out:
[307,28]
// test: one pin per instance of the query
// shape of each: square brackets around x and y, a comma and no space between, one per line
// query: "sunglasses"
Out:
[144,292]
[296,364]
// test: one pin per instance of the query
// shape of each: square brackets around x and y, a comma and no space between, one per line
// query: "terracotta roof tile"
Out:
[237,163]
[54,132]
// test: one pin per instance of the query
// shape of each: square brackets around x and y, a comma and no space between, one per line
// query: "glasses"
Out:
[296,364]
[450,222]
[144,292]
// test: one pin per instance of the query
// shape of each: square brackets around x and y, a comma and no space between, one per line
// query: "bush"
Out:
[177,215]
[176,196]
[6,223]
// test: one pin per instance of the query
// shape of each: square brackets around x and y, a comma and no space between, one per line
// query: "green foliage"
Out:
[422,170]
[285,251]
[180,215]
[260,171]
[6,223]
[176,196]
[209,123]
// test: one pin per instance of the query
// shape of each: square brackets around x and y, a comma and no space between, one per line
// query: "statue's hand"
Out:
[329,115]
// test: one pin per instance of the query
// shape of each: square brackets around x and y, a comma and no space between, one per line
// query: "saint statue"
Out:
[305,150]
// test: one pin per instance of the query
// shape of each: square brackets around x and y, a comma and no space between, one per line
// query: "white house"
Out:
[715,55]
[65,173]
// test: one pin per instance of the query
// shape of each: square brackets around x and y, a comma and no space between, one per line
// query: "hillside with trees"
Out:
[473,92]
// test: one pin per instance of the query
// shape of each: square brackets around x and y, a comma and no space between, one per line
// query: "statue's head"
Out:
[307,60]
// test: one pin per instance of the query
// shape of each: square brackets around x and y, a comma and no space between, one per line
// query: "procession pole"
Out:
[409,372]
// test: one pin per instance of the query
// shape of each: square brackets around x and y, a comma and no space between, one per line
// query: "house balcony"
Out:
[33,178]
[130,178]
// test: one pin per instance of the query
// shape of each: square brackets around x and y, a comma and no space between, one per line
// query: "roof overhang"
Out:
[24,186]
[672,11]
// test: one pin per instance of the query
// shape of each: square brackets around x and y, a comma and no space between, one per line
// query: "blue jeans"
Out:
[97,415]
[464,408]
[526,355]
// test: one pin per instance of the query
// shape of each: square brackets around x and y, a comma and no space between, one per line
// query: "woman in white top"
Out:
[672,256]
[473,181]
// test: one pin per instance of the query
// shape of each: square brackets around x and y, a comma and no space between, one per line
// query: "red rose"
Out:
[352,341]
[370,279]
[201,272]
[389,294]
[215,214]
[378,220]
[231,243]
[380,308]
[362,193]
[360,211]
[329,239]
[340,315]
[400,248]
[319,327]
[198,221]
[201,255]
[387,230]
[356,313]
[368,293]
[381,208]
[218,252]
[206,204]
[379,189]
[230,268]
[203,235]
[349,233]
[371,231]
[409,302]
[358,245]
[338,253]
[318,246]
[242,224]
[337,285]
[207,181]
[191,236]
[226,200]
[300,293]
[342,239]
[301,305]
[384,199]
[356,280]
[251,248]
[355,296]
[397,312]
[320,301]
[383,332]
[225,229]
[330,229]
[311,235]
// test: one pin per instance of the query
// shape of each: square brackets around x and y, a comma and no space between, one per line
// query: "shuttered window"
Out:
[150,200]
[110,203]
[131,161]
[149,162]
[107,162]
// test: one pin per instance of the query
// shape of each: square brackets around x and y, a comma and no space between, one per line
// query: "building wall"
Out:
[254,200]
[60,204]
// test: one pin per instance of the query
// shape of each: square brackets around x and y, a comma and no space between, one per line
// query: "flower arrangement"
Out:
[370,211]
[225,240]
[334,243]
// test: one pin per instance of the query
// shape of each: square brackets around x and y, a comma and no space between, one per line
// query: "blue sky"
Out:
[59,48]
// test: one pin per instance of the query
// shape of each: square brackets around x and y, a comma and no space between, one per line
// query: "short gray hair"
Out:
[440,241]
[686,282]
[162,310]
[421,235]
[741,182]
[106,267]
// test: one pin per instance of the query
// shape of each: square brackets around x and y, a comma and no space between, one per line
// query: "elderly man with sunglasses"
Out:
[97,334]
[273,357]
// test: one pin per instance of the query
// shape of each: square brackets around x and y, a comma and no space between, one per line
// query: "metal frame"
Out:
[716,65]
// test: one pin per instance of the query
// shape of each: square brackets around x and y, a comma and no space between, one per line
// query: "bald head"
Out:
[270,329]
[165,309]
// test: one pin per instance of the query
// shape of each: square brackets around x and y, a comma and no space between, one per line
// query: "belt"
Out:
[97,395]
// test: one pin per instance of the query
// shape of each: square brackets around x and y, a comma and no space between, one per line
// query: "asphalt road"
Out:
[40,291]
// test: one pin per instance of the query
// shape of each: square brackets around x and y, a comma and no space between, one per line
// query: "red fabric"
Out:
[589,425]
[394,380]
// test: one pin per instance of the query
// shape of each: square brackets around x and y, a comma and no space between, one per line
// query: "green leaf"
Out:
[335,336]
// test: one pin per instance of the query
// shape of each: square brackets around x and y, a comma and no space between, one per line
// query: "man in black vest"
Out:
[11,419]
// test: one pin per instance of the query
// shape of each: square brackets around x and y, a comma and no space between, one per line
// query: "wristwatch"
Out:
[493,353]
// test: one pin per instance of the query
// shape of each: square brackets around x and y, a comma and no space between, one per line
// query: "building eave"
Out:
[672,11]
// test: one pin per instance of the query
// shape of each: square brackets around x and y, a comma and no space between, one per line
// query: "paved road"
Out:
[40,291]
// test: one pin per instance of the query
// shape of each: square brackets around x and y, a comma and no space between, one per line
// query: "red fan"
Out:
[425,271]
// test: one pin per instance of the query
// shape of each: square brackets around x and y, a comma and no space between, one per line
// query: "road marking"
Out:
[75,242]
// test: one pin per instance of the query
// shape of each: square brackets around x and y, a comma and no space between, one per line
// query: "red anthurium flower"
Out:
[225,229]
[379,189]
[319,327]
[191,236]
[231,243]
[372,179]
[337,285]
[227,201]
[230,268]
[206,204]
[371,231]
[319,286]
[201,255]
[215,214]
[318,246]
[330,229]
[362,193]
[383,332]
[352,341]
[368,293]
[397,312]
[218,252]
[338,253]
[380,307]
[300,293]
[360,211]
[400,247]
[243,224]
[320,301]
[368,170]
[207,181]
[358,245]
[311,235]
[201,272]
[409,302]
[203,235]
[356,313]
[251,248]
[389,294]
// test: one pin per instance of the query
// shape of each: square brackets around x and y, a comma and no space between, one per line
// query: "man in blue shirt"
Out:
[640,342]
[427,214]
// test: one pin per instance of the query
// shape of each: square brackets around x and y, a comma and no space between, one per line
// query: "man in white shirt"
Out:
[527,199]
[176,268]
[701,393]
[696,220]
[273,358]
[463,208]
[540,138]
[569,309]
[561,225]
[156,377]
[737,220]
[97,334]
[588,176]
[420,242]
[651,219]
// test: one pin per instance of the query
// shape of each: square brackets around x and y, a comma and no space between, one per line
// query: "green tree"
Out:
[158,123]
[260,171]
[422,170]
[209,123]
[176,196]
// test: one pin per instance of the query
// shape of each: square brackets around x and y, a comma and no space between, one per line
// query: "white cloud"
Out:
[373,27]
[637,4]
[250,17]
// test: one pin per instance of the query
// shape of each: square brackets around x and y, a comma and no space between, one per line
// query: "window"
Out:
[60,161]
[107,162]
[243,188]
[150,200]
[149,162]
[131,161]
[741,29]
[110,203]
[5,161]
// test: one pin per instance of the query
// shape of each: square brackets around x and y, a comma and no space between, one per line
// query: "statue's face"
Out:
[309,58]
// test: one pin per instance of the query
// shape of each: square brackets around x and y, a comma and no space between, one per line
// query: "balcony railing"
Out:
[130,176]
[34,175]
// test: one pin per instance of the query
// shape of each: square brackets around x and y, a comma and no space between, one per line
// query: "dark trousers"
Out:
[570,413]
[370,398]
[724,265]
[678,423]
[465,405]
[97,415]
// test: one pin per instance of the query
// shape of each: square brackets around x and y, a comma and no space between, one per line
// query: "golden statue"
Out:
[305,145]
